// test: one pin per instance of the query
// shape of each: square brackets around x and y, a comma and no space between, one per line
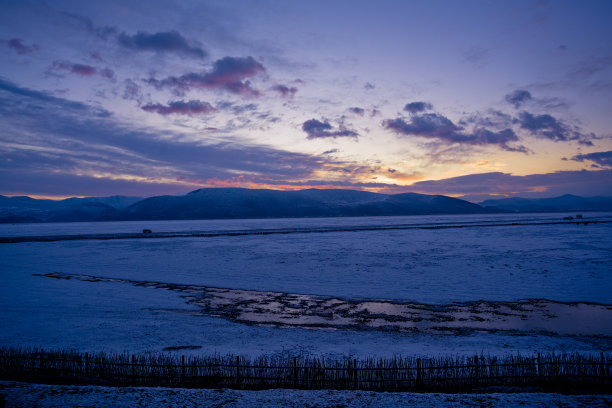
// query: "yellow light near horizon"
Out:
[45,197]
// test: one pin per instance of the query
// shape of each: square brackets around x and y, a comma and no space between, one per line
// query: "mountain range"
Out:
[225,203]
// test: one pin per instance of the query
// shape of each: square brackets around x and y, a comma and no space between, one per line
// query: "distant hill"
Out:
[563,203]
[222,203]
[227,203]
[26,209]
[217,203]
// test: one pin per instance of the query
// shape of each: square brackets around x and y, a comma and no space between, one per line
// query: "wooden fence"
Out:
[557,372]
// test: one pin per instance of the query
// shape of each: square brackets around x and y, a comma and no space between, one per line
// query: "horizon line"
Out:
[458,196]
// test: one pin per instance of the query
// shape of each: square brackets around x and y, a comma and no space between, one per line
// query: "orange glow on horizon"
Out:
[238,183]
[46,197]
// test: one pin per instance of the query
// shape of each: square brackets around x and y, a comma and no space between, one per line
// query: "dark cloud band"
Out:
[285,91]
[18,45]
[518,98]
[316,129]
[416,107]
[170,42]
[228,74]
[548,127]
[180,107]
[435,126]
[603,159]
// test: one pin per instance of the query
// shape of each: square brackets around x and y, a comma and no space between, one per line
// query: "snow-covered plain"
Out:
[276,223]
[21,395]
[565,263]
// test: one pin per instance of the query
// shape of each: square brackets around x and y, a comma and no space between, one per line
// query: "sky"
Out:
[472,99]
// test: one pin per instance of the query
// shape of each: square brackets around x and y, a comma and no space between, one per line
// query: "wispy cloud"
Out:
[14,93]
[591,74]
[357,110]
[131,90]
[82,69]
[190,108]
[521,97]
[101,32]
[18,45]
[331,151]
[161,42]
[228,74]
[603,159]
[316,129]
[518,98]
[285,91]
[416,107]
[478,57]
[53,141]
[491,118]
[78,69]
[549,127]
[436,126]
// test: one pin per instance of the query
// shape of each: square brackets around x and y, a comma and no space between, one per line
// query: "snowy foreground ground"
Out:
[33,395]
[459,291]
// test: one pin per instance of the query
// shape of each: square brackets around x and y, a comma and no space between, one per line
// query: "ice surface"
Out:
[310,311]
[122,227]
[566,263]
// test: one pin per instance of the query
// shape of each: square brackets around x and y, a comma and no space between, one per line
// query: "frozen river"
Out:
[557,262]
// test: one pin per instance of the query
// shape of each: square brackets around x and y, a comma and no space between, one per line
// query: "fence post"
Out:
[476,368]
[418,373]
[347,374]
[355,373]
[602,368]
[133,365]
[295,372]
[237,370]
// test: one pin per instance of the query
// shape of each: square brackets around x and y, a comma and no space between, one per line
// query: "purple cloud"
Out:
[78,69]
[435,126]
[100,32]
[427,125]
[490,119]
[357,111]
[18,45]
[96,56]
[316,130]
[548,127]
[131,90]
[170,41]
[228,74]
[83,70]
[603,159]
[285,91]
[518,97]
[416,107]
[180,107]
[70,136]
[107,73]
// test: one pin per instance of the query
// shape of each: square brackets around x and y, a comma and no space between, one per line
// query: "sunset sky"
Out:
[471,99]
